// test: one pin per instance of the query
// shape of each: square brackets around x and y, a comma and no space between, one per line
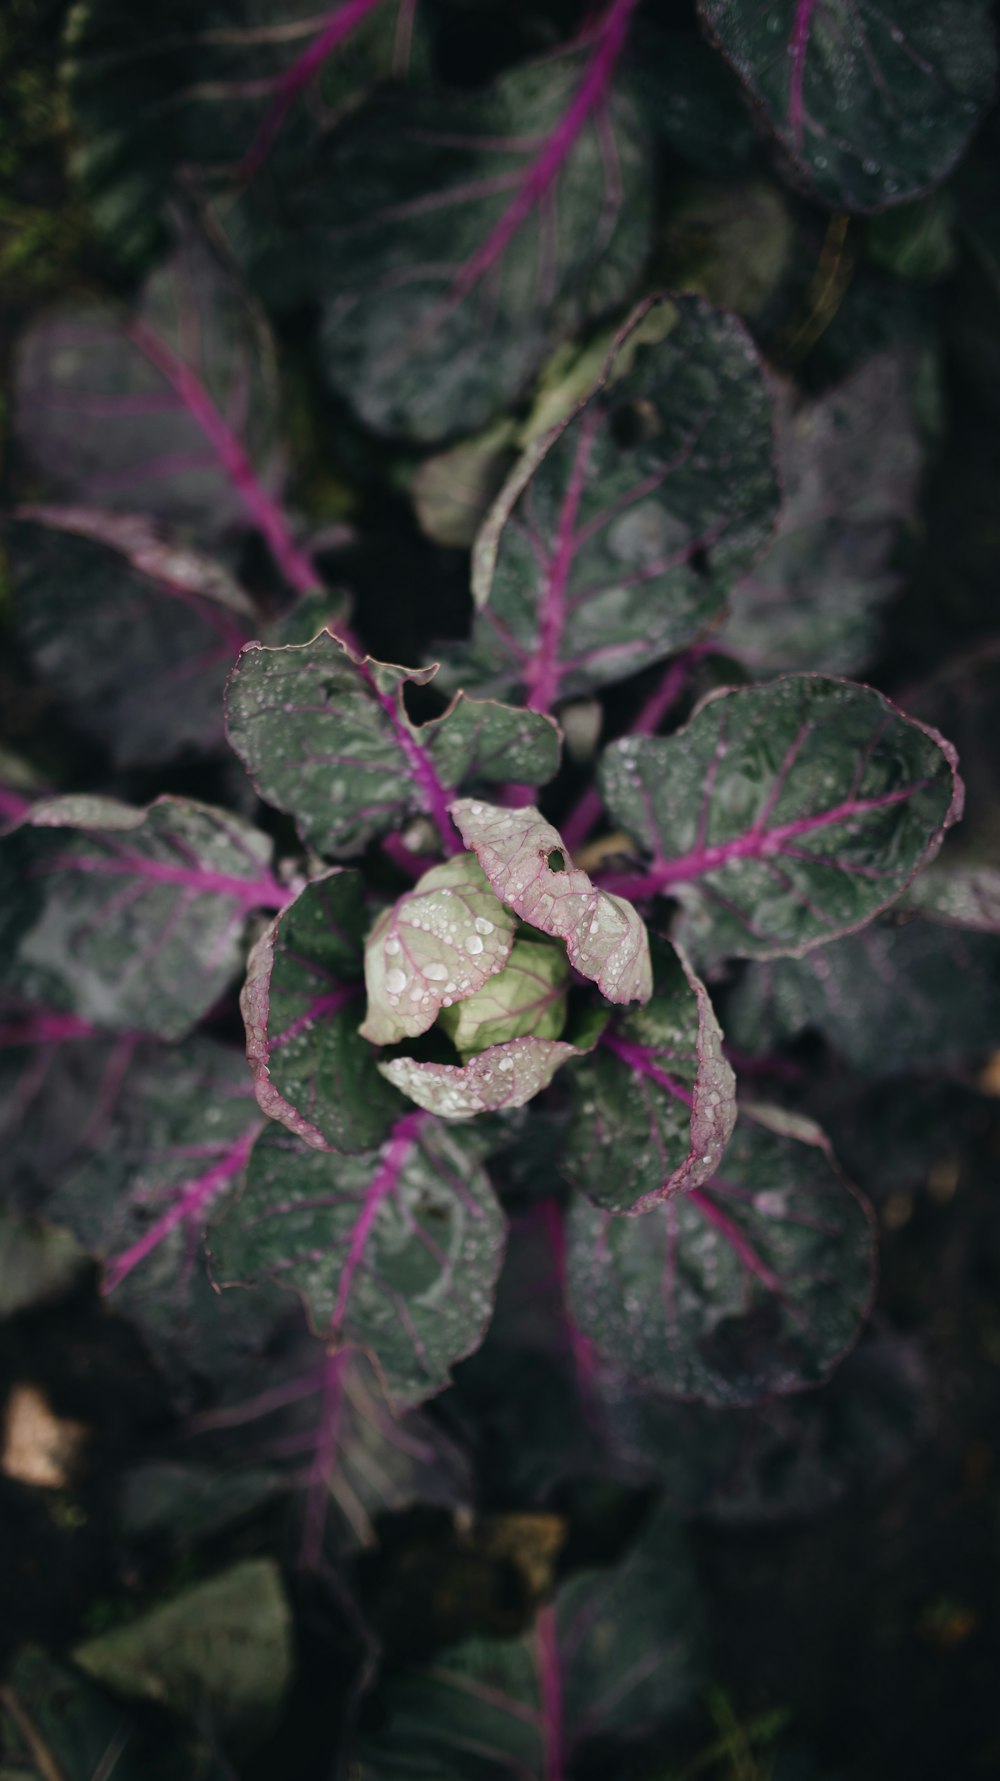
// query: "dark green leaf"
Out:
[460,238]
[897,997]
[871,103]
[964,895]
[654,1105]
[136,634]
[619,534]
[133,919]
[850,463]
[782,816]
[59,1727]
[173,1145]
[169,411]
[204,91]
[327,739]
[754,1285]
[301,1004]
[396,1252]
[618,1652]
[689,98]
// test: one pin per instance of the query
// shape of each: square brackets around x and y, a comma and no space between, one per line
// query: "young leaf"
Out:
[454,240]
[132,919]
[300,1007]
[327,739]
[170,410]
[395,1252]
[135,633]
[897,997]
[527,1000]
[619,1651]
[444,939]
[174,1144]
[850,462]
[619,534]
[503,1076]
[753,1285]
[218,94]
[605,938]
[784,815]
[871,104]
[654,1105]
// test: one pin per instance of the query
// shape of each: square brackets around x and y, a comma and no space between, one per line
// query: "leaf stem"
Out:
[550,1689]
[192,1198]
[338,26]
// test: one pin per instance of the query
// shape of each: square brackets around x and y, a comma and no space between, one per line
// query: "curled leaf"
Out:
[441,941]
[605,937]
[505,1075]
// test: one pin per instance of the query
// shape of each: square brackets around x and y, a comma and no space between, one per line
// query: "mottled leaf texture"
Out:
[220,1652]
[654,1105]
[135,633]
[784,815]
[327,739]
[850,463]
[898,997]
[963,894]
[300,1004]
[871,103]
[527,1000]
[619,1651]
[443,940]
[213,91]
[606,940]
[455,240]
[751,1286]
[619,534]
[132,919]
[506,1075]
[54,1722]
[791,1458]
[170,410]
[396,1252]
[173,1144]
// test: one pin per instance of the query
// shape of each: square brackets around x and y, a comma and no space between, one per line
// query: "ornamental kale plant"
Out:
[417,1050]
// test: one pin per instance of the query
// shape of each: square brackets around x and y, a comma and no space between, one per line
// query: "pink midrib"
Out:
[436,798]
[611,38]
[250,893]
[340,25]
[260,507]
[193,1196]
[797,46]
[638,1058]
[383,1183]
[752,845]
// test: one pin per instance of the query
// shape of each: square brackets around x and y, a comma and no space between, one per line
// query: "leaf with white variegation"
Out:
[751,1286]
[781,816]
[441,941]
[327,739]
[606,939]
[654,1104]
[503,1076]
[618,536]
[300,1005]
[396,1251]
[132,919]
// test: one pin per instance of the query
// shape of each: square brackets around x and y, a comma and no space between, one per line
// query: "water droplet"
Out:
[395,982]
[436,972]
[483,926]
[473,944]
[392,947]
